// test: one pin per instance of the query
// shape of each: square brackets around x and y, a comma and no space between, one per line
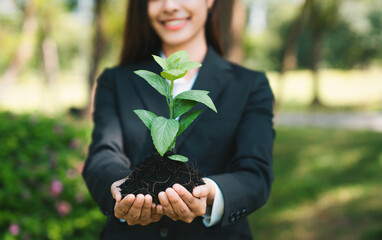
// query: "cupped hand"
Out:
[134,209]
[179,204]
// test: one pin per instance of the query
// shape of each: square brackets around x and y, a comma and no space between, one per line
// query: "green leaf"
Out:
[182,106]
[173,74]
[187,120]
[177,58]
[162,62]
[199,96]
[163,132]
[155,81]
[146,116]
[189,65]
[179,158]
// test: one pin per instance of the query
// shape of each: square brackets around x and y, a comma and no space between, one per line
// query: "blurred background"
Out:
[324,62]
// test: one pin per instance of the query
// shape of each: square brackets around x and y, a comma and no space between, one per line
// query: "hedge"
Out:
[42,193]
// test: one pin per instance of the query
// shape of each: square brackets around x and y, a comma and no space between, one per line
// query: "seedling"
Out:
[164,132]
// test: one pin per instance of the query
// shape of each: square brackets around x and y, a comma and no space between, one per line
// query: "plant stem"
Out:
[171,105]
[171,100]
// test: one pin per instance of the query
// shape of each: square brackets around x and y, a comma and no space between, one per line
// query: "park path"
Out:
[359,121]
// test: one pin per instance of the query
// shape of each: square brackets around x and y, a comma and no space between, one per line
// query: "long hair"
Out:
[140,40]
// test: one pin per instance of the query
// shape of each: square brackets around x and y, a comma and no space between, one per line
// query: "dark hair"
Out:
[140,40]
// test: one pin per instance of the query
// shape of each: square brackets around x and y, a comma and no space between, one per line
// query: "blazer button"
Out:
[238,215]
[232,217]
[163,232]
[243,212]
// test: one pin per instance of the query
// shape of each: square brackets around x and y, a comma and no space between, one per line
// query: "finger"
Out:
[135,210]
[201,191]
[115,190]
[166,205]
[117,196]
[124,205]
[146,210]
[196,205]
[155,216]
[119,182]
[159,209]
[154,209]
[181,209]
[121,208]
[184,194]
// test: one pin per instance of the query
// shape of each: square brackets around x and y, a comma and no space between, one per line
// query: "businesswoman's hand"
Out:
[134,209]
[179,204]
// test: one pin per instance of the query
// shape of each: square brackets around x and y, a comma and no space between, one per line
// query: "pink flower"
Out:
[63,208]
[56,188]
[14,229]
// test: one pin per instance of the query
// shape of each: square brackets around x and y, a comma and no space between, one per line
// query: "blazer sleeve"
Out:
[106,162]
[246,185]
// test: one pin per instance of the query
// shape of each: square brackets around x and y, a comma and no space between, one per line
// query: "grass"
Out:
[327,186]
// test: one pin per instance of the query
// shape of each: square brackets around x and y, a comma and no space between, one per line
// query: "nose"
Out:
[170,6]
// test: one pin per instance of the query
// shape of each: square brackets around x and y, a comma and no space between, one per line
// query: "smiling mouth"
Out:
[175,24]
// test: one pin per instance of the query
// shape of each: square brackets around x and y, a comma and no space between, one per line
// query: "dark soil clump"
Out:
[158,173]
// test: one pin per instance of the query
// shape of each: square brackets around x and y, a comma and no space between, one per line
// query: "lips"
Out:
[175,24]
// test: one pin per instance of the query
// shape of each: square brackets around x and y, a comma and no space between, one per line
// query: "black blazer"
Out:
[232,147]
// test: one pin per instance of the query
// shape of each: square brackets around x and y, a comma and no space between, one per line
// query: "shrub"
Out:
[42,193]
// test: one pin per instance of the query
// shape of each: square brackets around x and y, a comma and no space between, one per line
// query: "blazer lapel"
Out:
[152,100]
[213,76]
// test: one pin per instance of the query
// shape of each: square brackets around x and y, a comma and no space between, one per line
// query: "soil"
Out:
[158,173]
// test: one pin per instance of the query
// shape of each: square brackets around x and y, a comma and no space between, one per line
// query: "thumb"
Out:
[202,190]
[116,191]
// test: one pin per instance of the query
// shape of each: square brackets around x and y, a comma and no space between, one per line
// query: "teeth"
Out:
[174,23]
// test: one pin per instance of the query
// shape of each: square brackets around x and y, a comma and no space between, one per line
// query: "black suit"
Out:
[232,147]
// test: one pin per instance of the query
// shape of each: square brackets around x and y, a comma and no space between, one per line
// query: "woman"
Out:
[232,149]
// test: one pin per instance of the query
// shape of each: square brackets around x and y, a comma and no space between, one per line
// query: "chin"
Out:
[175,41]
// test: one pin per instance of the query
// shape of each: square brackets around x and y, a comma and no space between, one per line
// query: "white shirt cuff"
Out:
[214,214]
